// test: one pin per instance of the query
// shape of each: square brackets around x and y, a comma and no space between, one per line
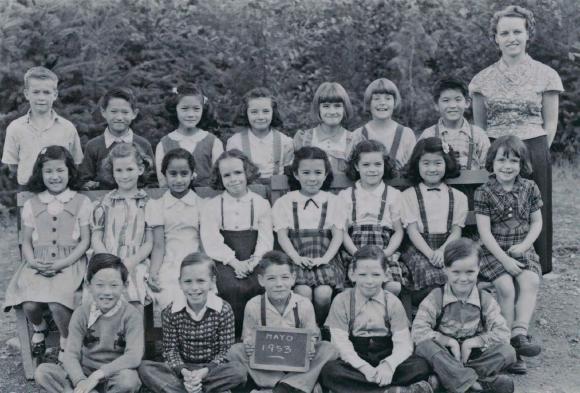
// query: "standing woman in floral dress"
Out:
[518,95]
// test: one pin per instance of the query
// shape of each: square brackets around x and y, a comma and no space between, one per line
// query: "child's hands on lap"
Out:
[87,385]
[318,261]
[191,381]
[240,268]
[249,347]
[466,348]
[513,266]
[303,262]
[369,372]
[153,282]
[91,185]
[312,349]
[517,250]
[454,347]
[436,258]
[384,374]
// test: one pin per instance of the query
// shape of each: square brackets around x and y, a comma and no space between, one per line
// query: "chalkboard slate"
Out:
[281,349]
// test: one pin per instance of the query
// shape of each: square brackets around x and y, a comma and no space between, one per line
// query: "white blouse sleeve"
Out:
[345,196]
[85,212]
[265,241]
[211,238]
[217,150]
[154,213]
[282,212]
[410,207]
[336,216]
[27,215]
[460,208]
[395,204]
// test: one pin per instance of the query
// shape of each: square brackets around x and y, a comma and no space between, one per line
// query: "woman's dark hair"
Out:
[459,249]
[510,144]
[369,252]
[36,184]
[123,93]
[449,83]
[274,257]
[310,153]
[197,258]
[106,261]
[370,146]
[252,172]
[431,145]
[241,116]
[122,150]
[177,154]
[185,90]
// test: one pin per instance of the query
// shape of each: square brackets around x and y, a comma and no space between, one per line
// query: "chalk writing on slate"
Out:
[282,349]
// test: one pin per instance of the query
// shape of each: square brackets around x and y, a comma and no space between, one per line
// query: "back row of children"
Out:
[258,116]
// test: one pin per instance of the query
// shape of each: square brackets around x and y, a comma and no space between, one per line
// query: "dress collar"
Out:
[292,302]
[178,136]
[189,199]
[378,297]
[497,188]
[464,128]
[449,297]
[268,138]
[378,191]
[95,313]
[338,137]
[213,302]
[110,138]
[246,198]
[139,194]
[64,197]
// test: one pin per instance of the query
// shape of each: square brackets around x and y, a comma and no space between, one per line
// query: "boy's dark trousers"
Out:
[340,377]
[160,378]
[458,378]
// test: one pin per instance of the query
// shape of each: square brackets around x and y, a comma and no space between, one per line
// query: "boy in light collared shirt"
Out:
[39,128]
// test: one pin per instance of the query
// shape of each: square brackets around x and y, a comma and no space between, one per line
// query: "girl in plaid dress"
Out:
[309,224]
[509,220]
[373,208]
[433,215]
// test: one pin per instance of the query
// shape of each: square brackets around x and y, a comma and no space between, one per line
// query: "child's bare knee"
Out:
[323,294]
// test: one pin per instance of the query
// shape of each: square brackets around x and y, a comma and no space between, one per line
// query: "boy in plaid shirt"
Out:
[198,331]
[469,142]
[460,331]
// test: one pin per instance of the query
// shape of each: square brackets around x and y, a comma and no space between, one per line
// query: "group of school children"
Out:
[209,265]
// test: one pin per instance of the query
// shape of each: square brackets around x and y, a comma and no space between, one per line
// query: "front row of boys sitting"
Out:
[462,341]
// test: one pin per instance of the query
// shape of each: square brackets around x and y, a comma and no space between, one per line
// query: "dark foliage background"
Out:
[290,46]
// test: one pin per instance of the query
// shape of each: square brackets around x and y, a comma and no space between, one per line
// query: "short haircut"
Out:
[510,144]
[369,252]
[177,154]
[381,86]
[431,145]
[197,258]
[274,257]
[106,261]
[123,93]
[459,249]
[241,116]
[370,146]
[41,73]
[331,92]
[449,83]
[310,153]
[36,183]
[207,120]
[513,11]
[122,150]
[251,170]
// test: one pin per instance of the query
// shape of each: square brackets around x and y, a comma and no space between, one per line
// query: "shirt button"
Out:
[54,242]
[54,229]
[54,218]
[53,254]
[236,227]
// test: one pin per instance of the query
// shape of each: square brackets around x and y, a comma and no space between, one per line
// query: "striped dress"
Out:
[122,223]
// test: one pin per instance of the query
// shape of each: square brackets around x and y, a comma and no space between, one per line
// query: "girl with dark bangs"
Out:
[433,215]
[331,107]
